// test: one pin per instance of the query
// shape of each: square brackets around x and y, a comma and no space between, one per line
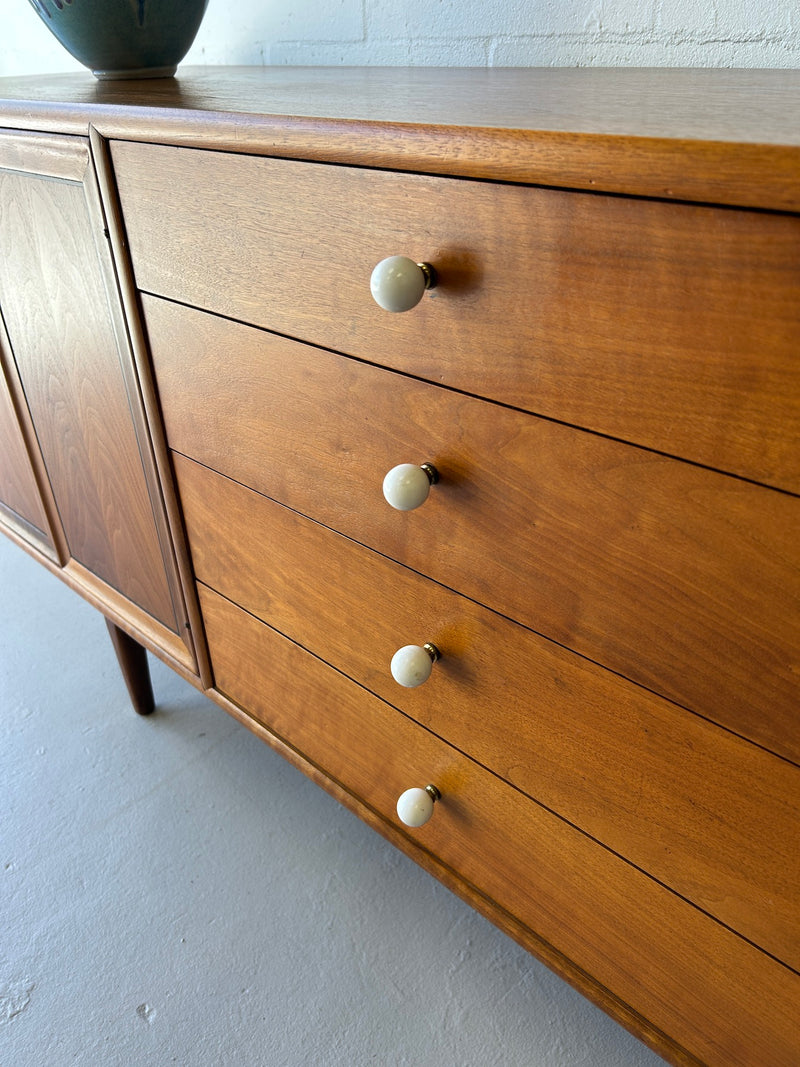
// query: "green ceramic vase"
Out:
[124,38]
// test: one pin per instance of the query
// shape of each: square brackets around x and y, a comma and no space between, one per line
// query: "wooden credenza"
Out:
[601,571]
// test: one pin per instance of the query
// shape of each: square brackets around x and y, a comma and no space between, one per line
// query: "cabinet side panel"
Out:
[62,336]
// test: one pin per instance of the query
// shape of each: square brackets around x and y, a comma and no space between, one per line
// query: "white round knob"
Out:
[412,664]
[415,806]
[407,486]
[398,283]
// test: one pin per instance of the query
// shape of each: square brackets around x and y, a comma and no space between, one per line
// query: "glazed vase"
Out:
[124,38]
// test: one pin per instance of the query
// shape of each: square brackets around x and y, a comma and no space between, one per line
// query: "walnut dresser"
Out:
[444,426]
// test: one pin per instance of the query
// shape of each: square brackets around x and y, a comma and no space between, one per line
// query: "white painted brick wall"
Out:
[742,33]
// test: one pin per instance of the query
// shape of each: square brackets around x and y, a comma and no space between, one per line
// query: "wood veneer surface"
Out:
[60,328]
[671,326]
[691,977]
[684,800]
[712,135]
[682,579]
[717,137]
[738,106]
[18,488]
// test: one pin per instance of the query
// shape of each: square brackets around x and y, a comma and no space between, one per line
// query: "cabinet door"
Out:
[70,349]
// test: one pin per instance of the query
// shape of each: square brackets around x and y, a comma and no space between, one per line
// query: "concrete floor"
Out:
[172,892]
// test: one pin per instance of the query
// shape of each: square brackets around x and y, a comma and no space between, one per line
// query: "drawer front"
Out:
[685,973]
[672,326]
[667,790]
[682,579]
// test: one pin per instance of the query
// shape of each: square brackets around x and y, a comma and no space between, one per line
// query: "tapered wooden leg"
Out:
[132,659]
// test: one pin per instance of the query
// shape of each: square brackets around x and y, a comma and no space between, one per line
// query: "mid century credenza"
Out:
[444,427]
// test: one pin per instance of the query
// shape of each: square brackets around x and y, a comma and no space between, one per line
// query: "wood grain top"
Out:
[752,106]
[728,136]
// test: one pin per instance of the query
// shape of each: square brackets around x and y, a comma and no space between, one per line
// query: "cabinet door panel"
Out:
[64,339]
[19,492]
